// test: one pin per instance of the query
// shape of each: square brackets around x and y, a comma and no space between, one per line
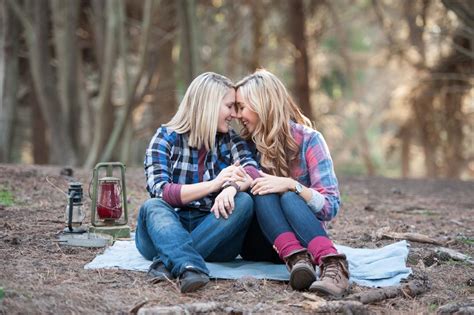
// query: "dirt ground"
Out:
[37,275]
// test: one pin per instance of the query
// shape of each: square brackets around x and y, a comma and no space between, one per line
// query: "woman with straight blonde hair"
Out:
[297,191]
[196,212]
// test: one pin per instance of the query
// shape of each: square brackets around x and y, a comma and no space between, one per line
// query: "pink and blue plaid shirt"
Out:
[315,170]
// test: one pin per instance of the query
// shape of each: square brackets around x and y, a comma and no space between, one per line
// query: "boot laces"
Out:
[333,270]
[298,258]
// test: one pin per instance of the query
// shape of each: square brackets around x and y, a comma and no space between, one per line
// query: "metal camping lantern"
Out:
[75,212]
[109,213]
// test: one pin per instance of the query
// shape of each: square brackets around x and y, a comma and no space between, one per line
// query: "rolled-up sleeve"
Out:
[323,178]
[158,161]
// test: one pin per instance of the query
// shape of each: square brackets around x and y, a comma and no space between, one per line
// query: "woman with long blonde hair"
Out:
[195,212]
[297,190]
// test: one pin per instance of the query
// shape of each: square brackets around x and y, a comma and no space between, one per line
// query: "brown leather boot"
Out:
[301,270]
[334,279]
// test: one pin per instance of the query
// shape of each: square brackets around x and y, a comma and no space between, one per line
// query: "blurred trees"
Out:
[389,83]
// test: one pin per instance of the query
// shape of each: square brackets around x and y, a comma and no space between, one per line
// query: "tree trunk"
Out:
[65,16]
[190,53]
[297,31]
[405,138]
[163,82]
[131,95]
[257,36]
[233,44]
[104,102]
[98,20]
[424,119]
[9,75]
[44,80]
[39,128]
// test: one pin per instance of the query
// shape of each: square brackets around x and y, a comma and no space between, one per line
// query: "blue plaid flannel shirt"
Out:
[169,159]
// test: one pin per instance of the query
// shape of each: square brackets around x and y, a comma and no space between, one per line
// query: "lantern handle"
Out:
[56,187]
[89,187]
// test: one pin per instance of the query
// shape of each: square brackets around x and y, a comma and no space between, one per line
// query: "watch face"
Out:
[298,188]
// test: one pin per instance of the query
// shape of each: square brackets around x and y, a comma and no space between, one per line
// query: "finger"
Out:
[241,171]
[237,178]
[237,163]
[262,173]
[256,181]
[215,211]
[219,208]
[257,188]
[226,204]
[222,211]
[232,205]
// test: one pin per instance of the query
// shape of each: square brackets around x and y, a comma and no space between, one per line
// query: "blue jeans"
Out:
[184,239]
[289,212]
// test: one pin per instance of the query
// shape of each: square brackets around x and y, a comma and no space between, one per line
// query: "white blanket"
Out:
[378,267]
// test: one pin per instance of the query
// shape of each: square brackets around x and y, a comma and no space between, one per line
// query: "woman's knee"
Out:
[244,205]
[289,196]
[266,203]
[244,200]
[155,205]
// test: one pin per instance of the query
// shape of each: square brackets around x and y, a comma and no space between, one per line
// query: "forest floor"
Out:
[37,275]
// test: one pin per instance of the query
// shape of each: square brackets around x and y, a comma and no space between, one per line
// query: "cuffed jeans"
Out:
[184,239]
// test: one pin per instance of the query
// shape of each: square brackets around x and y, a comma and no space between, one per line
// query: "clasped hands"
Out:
[267,184]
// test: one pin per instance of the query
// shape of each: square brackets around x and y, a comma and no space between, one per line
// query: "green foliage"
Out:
[359,41]
[432,307]
[344,198]
[334,84]
[6,197]
[466,240]
[351,169]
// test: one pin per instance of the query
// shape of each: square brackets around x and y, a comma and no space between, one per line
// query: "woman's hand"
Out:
[268,184]
[224,203]
[231,173]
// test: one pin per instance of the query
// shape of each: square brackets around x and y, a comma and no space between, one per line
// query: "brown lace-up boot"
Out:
[334,279]
[301,270]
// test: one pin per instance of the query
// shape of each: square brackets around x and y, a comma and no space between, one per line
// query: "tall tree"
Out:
[132,95]
[189,48]
[163,85]
[104,102]
[9,76]
[297,31]
[257,34]
[65,17]
[35,23]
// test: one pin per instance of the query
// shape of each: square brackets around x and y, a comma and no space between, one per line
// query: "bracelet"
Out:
[229,184]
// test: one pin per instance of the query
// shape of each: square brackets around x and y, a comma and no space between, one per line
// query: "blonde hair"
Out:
[198,112]
[268,98]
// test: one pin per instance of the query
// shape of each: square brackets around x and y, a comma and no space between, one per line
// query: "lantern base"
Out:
[85,240]
[117,231]
[75,229]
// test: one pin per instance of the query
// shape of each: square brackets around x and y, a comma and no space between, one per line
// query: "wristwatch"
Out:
[298,188]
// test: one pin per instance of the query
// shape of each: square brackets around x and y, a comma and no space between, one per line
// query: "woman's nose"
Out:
[235,113]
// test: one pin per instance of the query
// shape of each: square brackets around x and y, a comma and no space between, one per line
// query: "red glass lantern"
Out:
[109,213]
[109,205]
